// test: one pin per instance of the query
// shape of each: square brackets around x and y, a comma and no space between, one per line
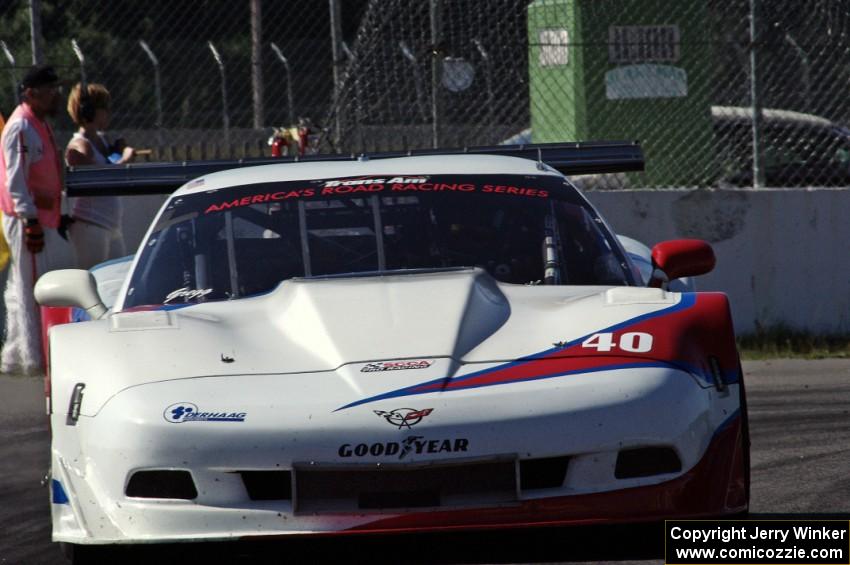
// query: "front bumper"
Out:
[589,420]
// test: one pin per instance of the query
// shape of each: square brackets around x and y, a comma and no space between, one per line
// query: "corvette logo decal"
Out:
[404,417]
[187,412]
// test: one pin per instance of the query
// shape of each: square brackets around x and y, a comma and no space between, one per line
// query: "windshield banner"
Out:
[508,185]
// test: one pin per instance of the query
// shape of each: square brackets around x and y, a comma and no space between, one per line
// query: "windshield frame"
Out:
[559,189]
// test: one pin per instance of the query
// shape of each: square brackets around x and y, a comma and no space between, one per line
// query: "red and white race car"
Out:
[401,344]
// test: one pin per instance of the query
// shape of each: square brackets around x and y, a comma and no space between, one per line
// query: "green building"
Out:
[625,70]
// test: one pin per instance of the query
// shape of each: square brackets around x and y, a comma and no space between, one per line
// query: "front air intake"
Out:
[646,462]
[268,485]
[388,487]
[162,484]
[543,473]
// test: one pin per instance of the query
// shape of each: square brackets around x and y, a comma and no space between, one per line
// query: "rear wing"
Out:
[164,178]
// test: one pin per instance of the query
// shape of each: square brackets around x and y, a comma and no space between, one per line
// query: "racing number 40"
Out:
[633,342]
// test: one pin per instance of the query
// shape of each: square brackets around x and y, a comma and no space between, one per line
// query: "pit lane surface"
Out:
[799,422]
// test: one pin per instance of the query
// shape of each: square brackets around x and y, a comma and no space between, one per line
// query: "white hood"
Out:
[320,325]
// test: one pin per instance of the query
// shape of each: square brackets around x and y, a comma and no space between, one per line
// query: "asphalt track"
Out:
[800,426]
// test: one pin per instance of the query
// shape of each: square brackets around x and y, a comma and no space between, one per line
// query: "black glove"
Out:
[64,223]
[33,236]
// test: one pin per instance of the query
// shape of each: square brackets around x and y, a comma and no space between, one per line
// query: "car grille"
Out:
[538,474]
[393,487]
[267,485]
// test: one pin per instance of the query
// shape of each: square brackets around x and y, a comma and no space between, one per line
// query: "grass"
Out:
[784,342]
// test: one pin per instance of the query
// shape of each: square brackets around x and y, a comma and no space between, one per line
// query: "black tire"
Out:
[745,431]
[86,554]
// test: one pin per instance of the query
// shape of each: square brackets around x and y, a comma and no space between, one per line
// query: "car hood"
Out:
[321,325]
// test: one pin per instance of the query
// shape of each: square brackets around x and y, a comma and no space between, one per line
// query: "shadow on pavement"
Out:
[585,543]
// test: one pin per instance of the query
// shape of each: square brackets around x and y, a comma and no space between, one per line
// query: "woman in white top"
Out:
[96,231]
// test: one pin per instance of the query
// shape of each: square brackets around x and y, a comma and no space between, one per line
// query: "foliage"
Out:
[783,341]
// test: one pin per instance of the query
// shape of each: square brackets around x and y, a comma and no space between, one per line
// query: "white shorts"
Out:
[94,244]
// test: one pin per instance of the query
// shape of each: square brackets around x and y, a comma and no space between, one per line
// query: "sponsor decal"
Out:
[419,445]
[261,199]
[404,417]
[187,294]
[395,366]
[401,187]
[182,412]
[633,342]
[385,184]
[368,181]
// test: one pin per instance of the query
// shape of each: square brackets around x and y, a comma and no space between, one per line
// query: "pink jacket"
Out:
[42,173]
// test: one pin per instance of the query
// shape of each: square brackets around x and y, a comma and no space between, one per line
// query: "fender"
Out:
[694,335]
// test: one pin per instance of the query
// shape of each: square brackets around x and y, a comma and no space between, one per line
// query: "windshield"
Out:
[241,241]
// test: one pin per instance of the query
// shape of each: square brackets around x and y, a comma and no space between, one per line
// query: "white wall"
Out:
[783,256]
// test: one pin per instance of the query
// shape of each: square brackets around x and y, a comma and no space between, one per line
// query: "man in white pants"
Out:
[30,198]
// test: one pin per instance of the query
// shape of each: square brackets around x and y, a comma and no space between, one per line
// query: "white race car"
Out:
[401,344]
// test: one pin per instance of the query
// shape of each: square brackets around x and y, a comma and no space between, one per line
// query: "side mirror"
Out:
[680,258]
[70,287]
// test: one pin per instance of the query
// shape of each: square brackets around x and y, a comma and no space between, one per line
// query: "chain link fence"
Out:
[687,78]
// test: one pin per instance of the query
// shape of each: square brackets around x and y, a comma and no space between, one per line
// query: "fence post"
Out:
[257,62]
[488,79]
[755,99]
[224,117]
[351,73]
[436,61]
[417,81]
[157,88]
[12,75]
[35,32]
[336,58]
[289,102]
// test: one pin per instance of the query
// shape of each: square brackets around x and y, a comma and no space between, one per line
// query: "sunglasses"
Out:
[51,88]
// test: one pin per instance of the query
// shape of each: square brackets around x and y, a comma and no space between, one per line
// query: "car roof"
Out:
[745,113]
[419,165]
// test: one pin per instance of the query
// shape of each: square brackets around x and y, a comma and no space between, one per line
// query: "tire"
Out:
[86,554]
[745,431]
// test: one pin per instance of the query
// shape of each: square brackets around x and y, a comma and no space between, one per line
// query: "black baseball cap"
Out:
[40,75]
